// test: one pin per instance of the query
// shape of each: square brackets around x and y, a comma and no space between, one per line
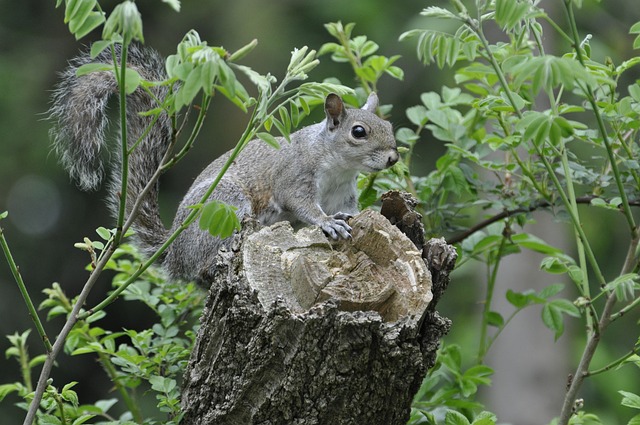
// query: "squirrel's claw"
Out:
[342,216]
[336,228]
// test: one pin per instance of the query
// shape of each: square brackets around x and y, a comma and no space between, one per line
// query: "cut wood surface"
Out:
[299,329]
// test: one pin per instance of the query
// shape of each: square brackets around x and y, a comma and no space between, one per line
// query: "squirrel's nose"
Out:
[392,158]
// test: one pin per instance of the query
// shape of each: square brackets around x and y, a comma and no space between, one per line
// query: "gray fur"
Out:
[311,180]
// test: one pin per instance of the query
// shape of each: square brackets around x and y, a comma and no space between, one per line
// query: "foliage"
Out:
[140,364]
[156,356]
[554,131]
[525,129]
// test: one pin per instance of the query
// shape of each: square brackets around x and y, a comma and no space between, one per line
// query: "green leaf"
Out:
[517,299]
[7,389]
[47,419]
[79,13]
[526,240]
[551,290]
[125,21]
[105,405]
[552,319]
[485,418]
[219,219]
[243,51]
[548,72]
[495,319]
[634,421]
[438,12]
[566,307]
[553,265]
[162,384]
[37,361]
[630,399]
[93,67]
[174,4]
[189,90]
[417,115]
[4,215]
[104,233]
[455,418]
[510,12]
[625,279]
[269,139]
[635,29]
[552,314]
[92,21]
[82,419]
[131,80]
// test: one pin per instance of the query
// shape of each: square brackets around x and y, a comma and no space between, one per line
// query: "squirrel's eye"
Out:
[358,132]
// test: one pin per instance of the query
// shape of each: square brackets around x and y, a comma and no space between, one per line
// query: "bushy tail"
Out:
[80,116]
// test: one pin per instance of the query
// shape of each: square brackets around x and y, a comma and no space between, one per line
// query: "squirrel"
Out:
[309,180]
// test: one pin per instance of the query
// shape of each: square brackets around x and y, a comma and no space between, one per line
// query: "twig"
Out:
[60,340]
[508,213]
[15,270]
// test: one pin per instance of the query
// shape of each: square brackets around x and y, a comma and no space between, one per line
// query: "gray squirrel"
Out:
[311,180]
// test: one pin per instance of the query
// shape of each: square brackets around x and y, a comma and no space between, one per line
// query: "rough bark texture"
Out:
[301,330]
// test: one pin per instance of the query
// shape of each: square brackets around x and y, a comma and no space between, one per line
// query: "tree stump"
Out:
[299,329]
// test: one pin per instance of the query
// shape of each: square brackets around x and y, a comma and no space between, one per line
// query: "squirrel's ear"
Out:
[372,103]
[334,107]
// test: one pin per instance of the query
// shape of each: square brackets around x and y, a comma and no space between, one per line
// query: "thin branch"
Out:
[508,213]
[583,366]
[614,364]
[33,313]
[601,127]
[60,340]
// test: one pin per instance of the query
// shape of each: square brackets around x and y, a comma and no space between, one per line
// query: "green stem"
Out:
[62,336]
[601,127]
[206,101]
[630,264]
[585,360]
[503,327]
[623,142]
[477,29]
[584,286]
[60,404]
[491,283]
[248,134]
[129,401]
[124,147]
[574,218]
[24,366]
[33,313]
[614,364]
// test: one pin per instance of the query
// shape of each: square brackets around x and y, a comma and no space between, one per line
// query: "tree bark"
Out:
[298,329]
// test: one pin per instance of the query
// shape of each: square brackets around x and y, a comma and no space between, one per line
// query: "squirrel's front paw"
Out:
[336,227]
[342,216]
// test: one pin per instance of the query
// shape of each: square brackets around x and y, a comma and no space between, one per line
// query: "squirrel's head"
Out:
[371,138]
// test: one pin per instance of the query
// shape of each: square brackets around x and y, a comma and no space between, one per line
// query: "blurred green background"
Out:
[48,214]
